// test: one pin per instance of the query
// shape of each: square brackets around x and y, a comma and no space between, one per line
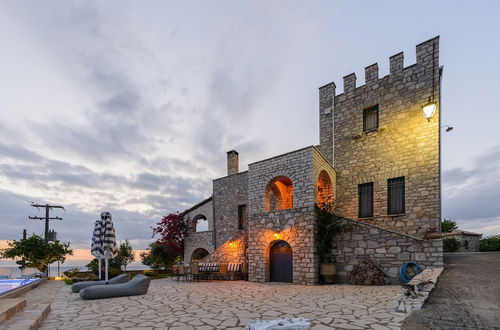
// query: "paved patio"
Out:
[228,305]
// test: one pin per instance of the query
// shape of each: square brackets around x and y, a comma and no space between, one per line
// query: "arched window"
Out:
[200,223]
[324,188]
[279,194]
[199,254]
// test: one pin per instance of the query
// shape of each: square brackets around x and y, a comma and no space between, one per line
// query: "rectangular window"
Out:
[242,217]
[365,200]
[370,118]
[396,195]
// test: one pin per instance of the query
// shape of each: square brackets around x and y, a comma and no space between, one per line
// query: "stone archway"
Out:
[281,262]
[199,254]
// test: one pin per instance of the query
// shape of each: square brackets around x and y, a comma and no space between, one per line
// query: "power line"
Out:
[47,217]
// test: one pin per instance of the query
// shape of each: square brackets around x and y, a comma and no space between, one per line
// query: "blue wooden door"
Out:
[281,262]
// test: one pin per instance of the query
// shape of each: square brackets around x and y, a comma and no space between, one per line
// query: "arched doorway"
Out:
[281,262]
[199,254]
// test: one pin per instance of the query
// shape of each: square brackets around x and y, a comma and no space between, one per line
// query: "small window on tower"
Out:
[370,119]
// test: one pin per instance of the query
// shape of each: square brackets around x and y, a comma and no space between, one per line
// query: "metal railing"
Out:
[32,276]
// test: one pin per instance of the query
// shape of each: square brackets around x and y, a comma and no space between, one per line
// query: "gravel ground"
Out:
[467,295]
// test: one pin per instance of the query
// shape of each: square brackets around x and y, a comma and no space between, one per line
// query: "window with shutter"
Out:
[396,195]
[365,200]
[370,118]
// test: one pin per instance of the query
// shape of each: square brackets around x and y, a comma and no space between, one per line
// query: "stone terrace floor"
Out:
[228,305]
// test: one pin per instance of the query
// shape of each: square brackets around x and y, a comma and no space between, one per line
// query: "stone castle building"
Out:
[378,161]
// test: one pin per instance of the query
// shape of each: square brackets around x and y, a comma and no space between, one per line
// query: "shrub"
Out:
[450,244]
[72,272]
[68,281]
[489,244]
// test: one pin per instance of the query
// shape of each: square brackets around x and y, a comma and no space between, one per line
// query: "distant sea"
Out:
[54,271]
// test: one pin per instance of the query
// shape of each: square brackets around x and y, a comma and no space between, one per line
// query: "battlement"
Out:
[427,56]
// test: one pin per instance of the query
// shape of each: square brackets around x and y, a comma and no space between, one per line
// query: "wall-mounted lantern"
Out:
[276,235]
[429,109]
[231,243]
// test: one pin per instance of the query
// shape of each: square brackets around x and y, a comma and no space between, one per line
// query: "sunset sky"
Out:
[129,107]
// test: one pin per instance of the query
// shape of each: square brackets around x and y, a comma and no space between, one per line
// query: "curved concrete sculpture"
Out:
[115,280]
[137,286]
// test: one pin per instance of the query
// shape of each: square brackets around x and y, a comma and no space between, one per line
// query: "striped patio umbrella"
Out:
[108,240]
[96,247]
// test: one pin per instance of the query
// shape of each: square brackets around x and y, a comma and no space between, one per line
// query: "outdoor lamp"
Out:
[276,235]
[429,109]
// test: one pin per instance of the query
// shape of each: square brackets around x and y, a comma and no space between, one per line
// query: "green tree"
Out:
[37,252]
[448,225]
[159,255]
[450,244]
[125,254]
[489,244]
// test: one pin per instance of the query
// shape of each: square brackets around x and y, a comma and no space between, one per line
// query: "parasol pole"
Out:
[106,269]
[99,261]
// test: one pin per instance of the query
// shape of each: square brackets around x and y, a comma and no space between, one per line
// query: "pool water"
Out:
[7,285]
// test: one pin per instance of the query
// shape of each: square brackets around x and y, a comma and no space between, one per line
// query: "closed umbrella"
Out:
[96,247]
[108,240]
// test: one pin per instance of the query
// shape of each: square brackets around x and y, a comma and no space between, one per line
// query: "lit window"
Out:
[324,188]
[279,194]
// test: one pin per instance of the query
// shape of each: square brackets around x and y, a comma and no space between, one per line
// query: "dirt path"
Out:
[467,295]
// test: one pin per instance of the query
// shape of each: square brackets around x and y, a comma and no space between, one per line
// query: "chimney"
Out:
[232,162]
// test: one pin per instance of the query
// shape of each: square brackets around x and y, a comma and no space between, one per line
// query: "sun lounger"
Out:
[137,286]
[115,280]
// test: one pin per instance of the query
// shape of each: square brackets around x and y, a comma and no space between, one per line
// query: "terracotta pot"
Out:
[327,270]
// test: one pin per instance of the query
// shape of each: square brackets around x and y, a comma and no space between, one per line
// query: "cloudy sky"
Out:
[130,106]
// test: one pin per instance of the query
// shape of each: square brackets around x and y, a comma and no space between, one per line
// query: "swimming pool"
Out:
[10,284]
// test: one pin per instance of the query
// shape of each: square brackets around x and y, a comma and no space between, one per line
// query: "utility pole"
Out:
[48,208]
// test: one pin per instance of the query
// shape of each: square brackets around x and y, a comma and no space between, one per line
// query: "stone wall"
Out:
[196,240]
[326,95]
[294,225]
[228,193]
[231,251]
[405,143]
[320,163]
[472,244]
[388,249]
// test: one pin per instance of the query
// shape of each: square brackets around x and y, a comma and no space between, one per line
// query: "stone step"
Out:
[29,319]
[9,307]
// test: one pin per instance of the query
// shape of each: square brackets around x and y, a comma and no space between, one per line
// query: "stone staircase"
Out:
[30,309]
[9,307]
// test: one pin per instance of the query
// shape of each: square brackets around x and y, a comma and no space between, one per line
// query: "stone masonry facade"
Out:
[404,144]
[250,212]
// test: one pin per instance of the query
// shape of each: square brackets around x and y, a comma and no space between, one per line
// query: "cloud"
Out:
[471,195]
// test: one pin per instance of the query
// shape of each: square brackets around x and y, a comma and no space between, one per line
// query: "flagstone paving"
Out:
[228,305]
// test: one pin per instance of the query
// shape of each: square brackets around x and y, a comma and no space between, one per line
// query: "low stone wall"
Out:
[388,249]
[420,288]
[231,251]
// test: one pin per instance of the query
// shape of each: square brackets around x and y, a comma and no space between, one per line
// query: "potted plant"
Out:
[328,224]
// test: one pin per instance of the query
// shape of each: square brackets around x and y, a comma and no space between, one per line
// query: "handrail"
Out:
[32,276]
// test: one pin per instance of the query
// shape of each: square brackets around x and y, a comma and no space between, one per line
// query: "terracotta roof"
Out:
[461,232]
